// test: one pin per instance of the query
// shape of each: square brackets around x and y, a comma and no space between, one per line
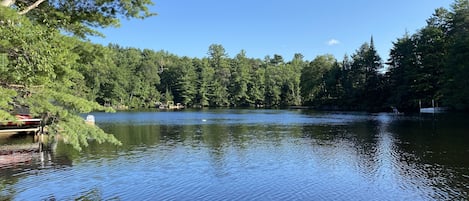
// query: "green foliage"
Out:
[256,86]
[205,75]
[427,65]
[313,88]
[76,133]
[240,80]
[291,76]
[218,88]
[186,82]
[80,17]
[96,63]
[326,83]
[333,86]
[402,74]
[6,100]
[367,81]
[273,84]
[456,85]
[133,78]
[60,111]
[42,75]
[30,50]
[432,63]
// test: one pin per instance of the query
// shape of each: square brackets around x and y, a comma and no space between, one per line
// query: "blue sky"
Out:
[268,27]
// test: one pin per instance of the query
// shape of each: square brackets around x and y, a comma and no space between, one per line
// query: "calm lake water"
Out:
[254,155]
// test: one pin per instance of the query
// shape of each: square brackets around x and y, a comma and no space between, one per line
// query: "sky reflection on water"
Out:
[258,155]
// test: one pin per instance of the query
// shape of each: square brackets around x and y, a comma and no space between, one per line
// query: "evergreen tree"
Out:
[42,68]
[273,86]
[334,91]
[366,80]
[240,80]
[346,82]
[256,84]
[44,79]
[220,82]
[205,75]
[186,86]
[430,50]
[402,73]
[456,84]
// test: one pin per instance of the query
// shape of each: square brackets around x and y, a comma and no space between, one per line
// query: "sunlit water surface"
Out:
[254,155]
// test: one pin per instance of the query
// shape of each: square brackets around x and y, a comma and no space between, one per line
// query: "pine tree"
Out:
[40,66]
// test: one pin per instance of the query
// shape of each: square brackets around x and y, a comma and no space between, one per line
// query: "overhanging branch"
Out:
[32,6]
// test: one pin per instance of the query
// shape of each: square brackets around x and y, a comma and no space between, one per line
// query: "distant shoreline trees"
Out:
[425,66]
[432,64]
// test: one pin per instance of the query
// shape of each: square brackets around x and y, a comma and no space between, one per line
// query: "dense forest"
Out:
[428,65]
[48,65]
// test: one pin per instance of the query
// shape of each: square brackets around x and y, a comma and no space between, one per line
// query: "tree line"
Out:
[48,66]
[429,65]
[140,78]
[432,63]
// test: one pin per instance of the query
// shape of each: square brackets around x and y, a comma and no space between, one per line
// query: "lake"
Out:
[243,154]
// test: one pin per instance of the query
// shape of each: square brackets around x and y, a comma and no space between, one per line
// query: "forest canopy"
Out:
[47,66]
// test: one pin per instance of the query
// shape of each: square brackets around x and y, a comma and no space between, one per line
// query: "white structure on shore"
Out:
[432,109]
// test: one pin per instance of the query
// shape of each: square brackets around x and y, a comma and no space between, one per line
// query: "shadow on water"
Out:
[437,146]
[23,155]
[427,151]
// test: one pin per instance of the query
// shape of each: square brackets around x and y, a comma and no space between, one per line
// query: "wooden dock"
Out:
[6,133]
[14,154]
[19,130]
[25,126]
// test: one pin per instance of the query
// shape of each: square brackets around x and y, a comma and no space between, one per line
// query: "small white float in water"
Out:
[90,119]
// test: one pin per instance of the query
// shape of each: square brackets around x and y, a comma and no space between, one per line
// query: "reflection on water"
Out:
[256,155]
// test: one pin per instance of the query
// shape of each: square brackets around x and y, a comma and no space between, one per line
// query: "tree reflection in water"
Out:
[322,155]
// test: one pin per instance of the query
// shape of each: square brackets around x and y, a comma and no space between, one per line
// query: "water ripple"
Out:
[255,155]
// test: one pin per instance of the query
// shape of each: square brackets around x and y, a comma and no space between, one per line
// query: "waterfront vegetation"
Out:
[48,66]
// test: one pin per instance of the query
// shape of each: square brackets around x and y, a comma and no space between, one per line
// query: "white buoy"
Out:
[90,119]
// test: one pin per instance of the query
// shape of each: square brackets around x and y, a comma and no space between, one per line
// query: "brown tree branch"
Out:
[32,6]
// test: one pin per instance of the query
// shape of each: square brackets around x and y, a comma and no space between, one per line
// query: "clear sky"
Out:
[268,27]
